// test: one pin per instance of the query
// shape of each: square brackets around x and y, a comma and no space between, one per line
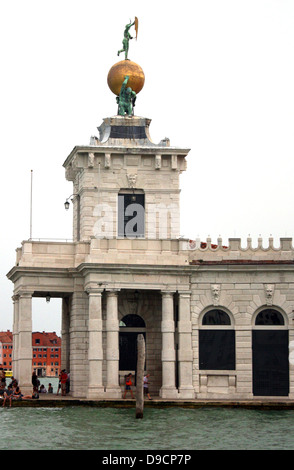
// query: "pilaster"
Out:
[185,353]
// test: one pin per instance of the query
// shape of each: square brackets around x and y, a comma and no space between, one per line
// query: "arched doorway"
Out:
[130,326]
[270,354]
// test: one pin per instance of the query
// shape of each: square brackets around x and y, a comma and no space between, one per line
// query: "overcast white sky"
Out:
[219,80]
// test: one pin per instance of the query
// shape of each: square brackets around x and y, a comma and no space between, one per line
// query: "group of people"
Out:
[63,384]
[129,384]
[38,387]
[13,391]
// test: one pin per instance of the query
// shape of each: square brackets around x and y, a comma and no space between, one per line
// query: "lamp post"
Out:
[67,203]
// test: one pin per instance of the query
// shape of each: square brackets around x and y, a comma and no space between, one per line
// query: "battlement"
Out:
[208,251]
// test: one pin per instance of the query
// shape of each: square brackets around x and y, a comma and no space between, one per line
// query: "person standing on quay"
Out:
[59,384]
[63,380]
[146,389]
[128,385]
[34,379]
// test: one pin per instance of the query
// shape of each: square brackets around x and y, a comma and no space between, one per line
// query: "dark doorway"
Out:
[128,351]
[128,341]
[270,357]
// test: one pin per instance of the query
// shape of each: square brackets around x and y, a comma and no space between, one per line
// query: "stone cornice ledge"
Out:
[134,268]
[18,271]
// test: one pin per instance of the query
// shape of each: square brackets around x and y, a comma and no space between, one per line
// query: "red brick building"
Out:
[6,350]
[46,353]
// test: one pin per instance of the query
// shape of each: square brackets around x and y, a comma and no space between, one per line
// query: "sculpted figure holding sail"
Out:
[127,37]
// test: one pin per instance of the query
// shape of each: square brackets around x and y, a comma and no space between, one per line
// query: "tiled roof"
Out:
[6,336]
[47,339]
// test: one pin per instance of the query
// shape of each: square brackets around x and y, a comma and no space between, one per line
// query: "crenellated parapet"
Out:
[264,250]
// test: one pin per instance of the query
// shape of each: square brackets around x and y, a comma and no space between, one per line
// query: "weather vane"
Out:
[127,37]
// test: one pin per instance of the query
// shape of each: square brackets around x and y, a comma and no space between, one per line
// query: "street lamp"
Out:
[67,203]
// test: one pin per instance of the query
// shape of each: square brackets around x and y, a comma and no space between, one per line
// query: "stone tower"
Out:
[124,185]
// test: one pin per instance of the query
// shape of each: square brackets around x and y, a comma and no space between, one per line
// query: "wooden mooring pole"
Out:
[140,376]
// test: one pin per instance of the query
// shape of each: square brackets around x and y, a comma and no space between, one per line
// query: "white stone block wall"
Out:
[243,295]
[100,185]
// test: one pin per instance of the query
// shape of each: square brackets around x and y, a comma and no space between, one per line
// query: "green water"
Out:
[86,428]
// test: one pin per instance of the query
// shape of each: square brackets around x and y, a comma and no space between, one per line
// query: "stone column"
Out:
[95,353]
[185,353]
[112,347]
[78,340]
[15,343]
[25,343]
[65,340]
[168,355]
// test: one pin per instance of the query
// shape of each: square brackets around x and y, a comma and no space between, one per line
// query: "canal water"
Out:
[87,428]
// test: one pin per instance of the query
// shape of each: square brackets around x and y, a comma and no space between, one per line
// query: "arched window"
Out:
[216,341]
[132,321]
[216,317]
[269,317]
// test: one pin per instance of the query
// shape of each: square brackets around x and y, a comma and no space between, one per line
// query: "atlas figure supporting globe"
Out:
[126,99]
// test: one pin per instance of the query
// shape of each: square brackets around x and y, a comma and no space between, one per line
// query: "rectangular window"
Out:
[131,215]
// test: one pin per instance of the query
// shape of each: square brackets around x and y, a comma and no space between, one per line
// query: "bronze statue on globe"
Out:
[126,78]
[127,37]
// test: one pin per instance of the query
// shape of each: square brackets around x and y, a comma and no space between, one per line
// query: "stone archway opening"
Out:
[130,327]
[46,337]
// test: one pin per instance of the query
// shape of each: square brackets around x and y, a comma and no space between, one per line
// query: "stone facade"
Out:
[194,302]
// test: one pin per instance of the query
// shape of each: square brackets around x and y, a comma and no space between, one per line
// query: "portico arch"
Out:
[129,327]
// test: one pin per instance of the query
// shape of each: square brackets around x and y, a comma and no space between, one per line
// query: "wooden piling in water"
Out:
[140,376]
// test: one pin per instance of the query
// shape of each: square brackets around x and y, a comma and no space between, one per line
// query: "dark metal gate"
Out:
[270,362]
